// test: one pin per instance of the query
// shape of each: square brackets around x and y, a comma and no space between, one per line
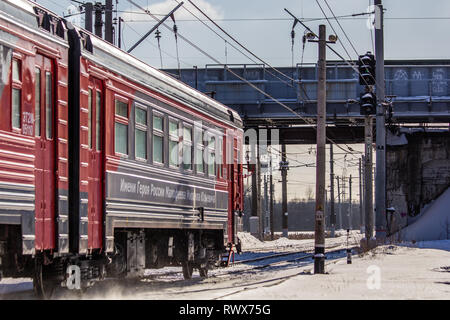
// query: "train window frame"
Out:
[174,137]
[211,154]
[219,154]
[143,128]
[16,87]
[187,143]
[121,120]
[199,147]
[160,134]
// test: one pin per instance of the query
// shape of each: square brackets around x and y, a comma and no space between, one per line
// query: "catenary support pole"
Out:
[284,209]
[259,198]
[271,199]
[360,199]
[109,21]
[339,201]
[350,213]
[368,192]
[332,212]
[380,178]
[88,11]
[319,234]
[98,19]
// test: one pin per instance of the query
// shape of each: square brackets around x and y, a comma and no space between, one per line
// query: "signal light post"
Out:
[368,107]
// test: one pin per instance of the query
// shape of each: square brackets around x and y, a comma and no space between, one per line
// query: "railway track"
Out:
[239,267]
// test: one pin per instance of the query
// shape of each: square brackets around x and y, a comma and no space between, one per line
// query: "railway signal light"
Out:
[366,69]
[368,103]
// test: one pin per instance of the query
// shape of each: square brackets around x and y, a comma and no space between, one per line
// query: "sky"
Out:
[413,29]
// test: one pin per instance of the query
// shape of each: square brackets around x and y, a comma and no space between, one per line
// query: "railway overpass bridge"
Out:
[419,90]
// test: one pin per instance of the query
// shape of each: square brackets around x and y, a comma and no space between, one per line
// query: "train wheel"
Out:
[203,272]
[187,269]
[43,286]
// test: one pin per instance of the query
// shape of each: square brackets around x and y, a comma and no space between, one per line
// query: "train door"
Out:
[45,162]
[95,164]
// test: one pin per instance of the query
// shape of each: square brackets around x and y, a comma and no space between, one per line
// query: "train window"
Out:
[121,109]
[98,140]
[90,118]
[187,148]
[16,106]
[37,103]
[158,140]
[173,143]
[157,123]
[16,74]
[140,133]
[121,127]
[211,156]
[199,151]
[16,94]
[219,157]
[48,106]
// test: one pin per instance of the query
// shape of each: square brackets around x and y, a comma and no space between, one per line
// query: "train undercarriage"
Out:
[135,250]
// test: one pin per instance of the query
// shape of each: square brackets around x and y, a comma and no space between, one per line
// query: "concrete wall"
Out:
[417,171]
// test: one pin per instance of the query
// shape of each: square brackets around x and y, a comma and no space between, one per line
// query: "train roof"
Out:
[131,67]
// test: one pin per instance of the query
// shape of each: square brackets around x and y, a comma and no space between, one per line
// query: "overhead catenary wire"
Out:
[226,42]
[234,73]
[340,26]
[237,49]
[339,55]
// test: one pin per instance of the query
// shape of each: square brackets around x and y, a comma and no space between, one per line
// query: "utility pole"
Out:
[119,33]
[271,200]
[266,203]
[350,216]
[360,198]
[319,230]
[284,209]
[254,219]
[339,200]
[343,193]
[108,21]
[98,19]
[332,212]
[259,208]
[368,191]
[380,179]
[88,11]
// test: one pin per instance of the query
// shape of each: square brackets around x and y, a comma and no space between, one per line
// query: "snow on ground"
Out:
[250,243]
[434,224]
[419,270]
[387,272]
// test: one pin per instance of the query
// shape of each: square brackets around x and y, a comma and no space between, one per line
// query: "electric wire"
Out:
[206,25]
[235,74]
[340,26]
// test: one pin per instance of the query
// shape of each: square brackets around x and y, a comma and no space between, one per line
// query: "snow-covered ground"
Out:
[434,224]
[387,272]
[406,271]
[250,243]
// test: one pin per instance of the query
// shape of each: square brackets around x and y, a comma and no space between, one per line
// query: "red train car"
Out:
[107,165]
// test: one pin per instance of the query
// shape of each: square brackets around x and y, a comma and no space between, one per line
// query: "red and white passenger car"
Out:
[107,165]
